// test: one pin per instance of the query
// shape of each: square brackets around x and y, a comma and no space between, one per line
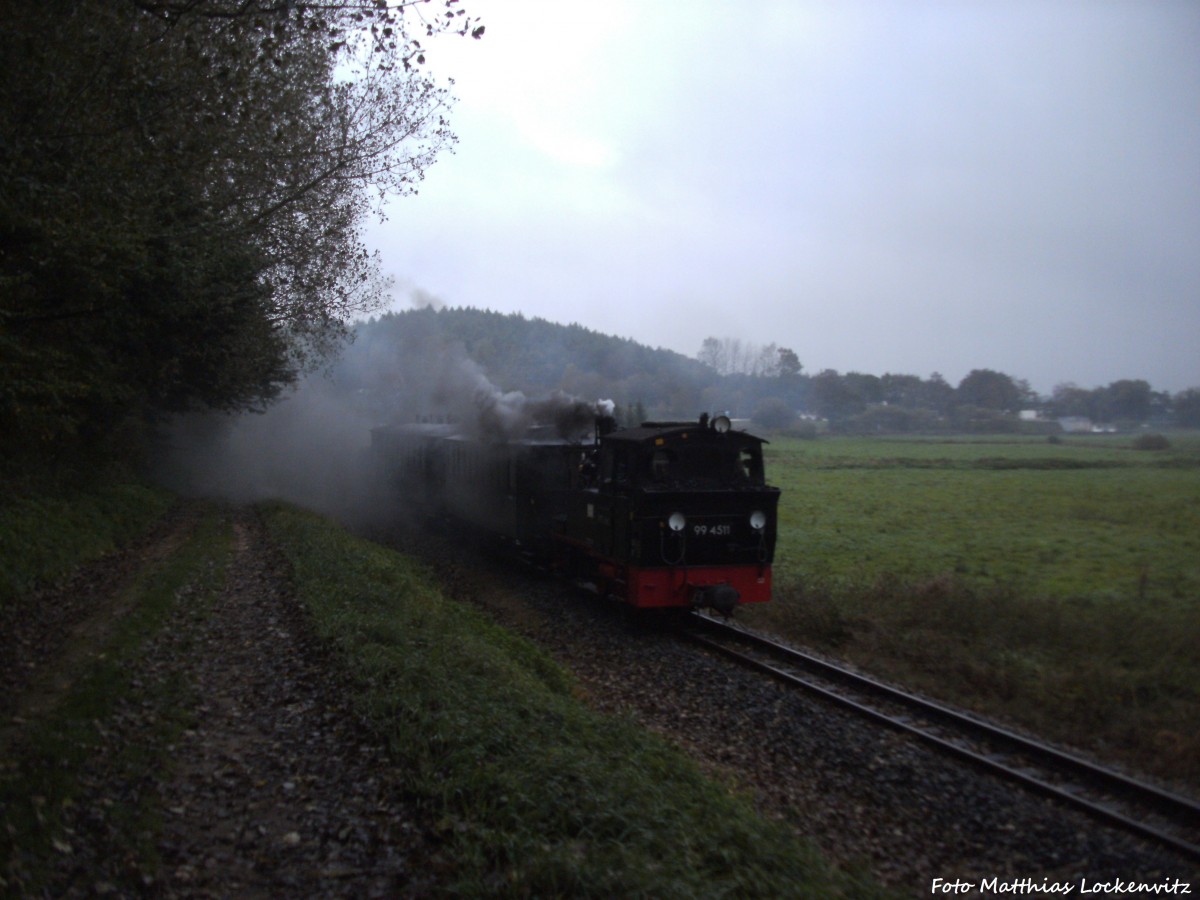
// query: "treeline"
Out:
[182,188]
[983,401]
[769,381]
[394,357]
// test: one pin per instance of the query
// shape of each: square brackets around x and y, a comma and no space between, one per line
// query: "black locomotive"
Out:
[666,514]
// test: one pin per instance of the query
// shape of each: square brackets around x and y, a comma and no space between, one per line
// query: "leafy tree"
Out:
[832,398]
[789,363]
[868,389]
[901,390]
[1027,397]
[989,390]
[183,184]
[1186,407]
[937,394]
[774,412]
[1127,399]
[1160,407]
[1068,399]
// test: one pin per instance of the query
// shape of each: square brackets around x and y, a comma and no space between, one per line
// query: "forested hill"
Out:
[423,354]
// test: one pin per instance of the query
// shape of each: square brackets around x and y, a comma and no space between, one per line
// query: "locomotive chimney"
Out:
[605,425]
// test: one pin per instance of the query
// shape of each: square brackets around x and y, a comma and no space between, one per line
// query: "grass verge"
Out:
[1054,585]
[1117,678]
[532,793]
[46,766]
[45,535]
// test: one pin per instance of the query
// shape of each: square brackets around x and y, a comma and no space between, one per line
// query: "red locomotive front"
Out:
[676,515]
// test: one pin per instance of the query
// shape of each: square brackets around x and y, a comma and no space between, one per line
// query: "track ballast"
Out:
[1150,812]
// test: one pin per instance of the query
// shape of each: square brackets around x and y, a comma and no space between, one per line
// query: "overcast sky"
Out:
[902,186]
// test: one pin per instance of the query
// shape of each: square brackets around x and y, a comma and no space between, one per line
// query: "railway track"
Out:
[1167,819]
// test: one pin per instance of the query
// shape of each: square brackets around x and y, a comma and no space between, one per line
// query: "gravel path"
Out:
[279,790]
[276,790]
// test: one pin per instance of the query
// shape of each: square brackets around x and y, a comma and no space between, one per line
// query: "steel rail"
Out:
[1181,810]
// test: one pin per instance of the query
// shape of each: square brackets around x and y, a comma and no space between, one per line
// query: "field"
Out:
[1056,584]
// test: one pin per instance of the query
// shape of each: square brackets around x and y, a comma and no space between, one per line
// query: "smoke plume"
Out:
[313,447]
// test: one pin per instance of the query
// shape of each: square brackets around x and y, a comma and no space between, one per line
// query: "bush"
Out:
[1151,442]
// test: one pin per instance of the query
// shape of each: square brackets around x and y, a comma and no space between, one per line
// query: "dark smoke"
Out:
[568,416]
[442,382]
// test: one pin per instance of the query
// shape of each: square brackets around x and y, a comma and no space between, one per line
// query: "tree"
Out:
[789,364]
[901,390]
[937,394]
[773,412]
[1068,399]
[1186,406]
[831,398]
[1027,397]
[733,356]
[987,389]
[1127,399]
[767,363]
[712,353]
[183,186]
[867,388]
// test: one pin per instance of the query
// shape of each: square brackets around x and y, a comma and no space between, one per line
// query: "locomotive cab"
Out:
[679,514]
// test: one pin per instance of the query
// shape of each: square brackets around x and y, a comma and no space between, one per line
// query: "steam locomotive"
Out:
[666,514]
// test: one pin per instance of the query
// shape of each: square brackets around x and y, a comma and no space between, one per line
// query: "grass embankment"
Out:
[534,794]
[1056,584]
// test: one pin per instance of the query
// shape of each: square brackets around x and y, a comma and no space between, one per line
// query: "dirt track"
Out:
[274,788]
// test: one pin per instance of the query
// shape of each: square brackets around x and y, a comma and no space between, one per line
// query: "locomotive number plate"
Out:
[713,530]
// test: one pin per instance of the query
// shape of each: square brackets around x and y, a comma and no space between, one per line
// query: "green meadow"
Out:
[1053,583]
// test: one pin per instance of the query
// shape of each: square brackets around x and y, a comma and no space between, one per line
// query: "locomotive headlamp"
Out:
[758,520]
[677,521]
[721,424]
